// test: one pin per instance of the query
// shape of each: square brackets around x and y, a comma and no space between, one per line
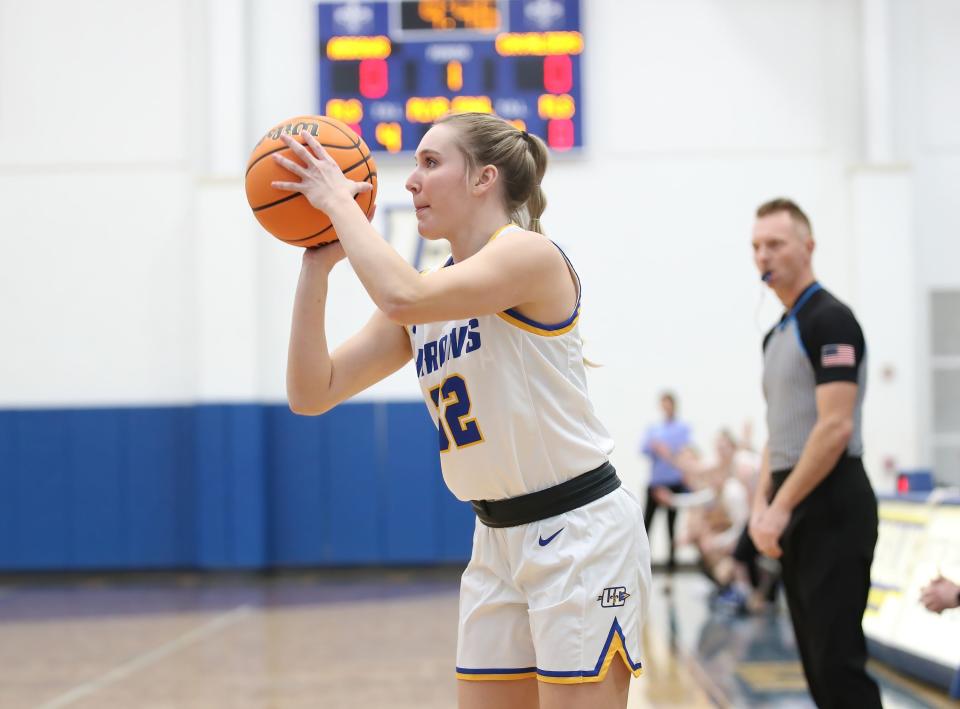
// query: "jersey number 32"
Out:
[453,407]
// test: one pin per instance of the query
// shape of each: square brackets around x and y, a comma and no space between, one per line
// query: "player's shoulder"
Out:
[524,246]
[514,235]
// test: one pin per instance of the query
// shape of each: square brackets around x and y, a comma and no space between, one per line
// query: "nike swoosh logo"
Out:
[544,542]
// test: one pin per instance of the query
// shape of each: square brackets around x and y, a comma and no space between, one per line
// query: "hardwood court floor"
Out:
[333,639]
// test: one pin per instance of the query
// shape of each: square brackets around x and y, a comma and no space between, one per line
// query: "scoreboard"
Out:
[389,69]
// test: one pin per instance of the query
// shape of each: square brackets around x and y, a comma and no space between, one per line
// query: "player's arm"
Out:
[316,380]
[513,271]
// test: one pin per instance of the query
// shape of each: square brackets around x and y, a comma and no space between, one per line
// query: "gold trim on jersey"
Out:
[539,330]
[500,231]
[616,648]
[517,319]
[483,677]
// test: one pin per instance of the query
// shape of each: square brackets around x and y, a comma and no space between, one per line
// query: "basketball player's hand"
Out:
[326,256]
[767,528]
[321,180]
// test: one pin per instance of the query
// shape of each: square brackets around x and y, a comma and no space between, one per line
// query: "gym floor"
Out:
[360,638]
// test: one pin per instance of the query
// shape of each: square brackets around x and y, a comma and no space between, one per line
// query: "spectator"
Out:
[940,594]
[718,511]
[661,442]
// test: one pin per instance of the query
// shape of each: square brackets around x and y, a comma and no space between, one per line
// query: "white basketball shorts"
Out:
[556,599]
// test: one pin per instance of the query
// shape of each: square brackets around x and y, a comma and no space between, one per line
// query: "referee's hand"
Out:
[766,529]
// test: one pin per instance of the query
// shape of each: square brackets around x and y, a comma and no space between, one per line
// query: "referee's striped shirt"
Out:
[817,341]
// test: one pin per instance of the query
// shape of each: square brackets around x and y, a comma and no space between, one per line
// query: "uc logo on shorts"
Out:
[613,597]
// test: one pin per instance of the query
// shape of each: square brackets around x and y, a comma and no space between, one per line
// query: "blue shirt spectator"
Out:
[661,442]
[675,436]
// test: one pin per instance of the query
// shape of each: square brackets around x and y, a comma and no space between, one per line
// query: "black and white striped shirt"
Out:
[817,341]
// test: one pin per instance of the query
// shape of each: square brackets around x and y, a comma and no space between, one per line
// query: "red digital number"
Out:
[558,73]
[560,133]
[374,79]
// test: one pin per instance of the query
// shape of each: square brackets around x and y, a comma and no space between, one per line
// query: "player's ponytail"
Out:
[537,201]
[521,159]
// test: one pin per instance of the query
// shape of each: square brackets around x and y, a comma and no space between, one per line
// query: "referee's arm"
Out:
[762,493]
[827,442]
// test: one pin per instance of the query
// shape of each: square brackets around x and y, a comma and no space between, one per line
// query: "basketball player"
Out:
[553,600]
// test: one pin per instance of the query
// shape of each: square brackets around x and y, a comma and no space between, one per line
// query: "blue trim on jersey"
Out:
[559,326]
[614,629]
[497,671]
[534,323]
[570,264]
[524,319]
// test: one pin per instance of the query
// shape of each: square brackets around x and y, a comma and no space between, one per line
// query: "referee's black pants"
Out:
[827,552]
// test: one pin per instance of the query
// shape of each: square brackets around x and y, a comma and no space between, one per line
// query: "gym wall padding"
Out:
[225,486]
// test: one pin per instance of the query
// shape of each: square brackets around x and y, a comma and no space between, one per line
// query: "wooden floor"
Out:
[358,639]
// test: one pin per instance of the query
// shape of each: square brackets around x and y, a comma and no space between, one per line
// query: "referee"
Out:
[814,508]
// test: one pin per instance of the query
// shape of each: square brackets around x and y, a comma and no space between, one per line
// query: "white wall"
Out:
[95,270]
[930,55]
[140,276]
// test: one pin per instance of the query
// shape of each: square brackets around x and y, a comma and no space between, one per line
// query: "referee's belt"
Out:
[566,496]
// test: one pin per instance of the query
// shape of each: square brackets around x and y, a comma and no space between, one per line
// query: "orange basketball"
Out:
[288,215]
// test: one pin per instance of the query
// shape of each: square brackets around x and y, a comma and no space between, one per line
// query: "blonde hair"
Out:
[520,157]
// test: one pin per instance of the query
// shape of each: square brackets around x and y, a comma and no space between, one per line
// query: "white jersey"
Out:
[509,398]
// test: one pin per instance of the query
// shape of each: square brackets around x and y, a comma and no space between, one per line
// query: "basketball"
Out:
[288,215]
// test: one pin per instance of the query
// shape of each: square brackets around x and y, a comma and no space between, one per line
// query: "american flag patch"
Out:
[838,356]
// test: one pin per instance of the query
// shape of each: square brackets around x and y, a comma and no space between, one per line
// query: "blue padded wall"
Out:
[225,486]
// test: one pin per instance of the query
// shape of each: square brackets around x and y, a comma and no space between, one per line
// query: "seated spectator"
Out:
[940,594]
[718,506]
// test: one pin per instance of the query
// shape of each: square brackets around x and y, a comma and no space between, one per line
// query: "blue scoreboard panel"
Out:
[389,69]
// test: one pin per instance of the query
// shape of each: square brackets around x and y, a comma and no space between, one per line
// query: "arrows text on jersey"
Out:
[459,341]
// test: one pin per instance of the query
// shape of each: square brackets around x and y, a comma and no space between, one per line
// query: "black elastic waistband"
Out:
[553,501]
